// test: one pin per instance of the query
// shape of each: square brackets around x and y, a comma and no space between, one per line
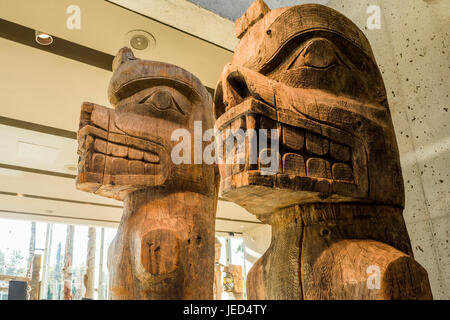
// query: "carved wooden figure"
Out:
[335,204]
[164,247]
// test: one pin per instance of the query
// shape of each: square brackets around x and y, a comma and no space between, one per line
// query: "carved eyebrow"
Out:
[173,103]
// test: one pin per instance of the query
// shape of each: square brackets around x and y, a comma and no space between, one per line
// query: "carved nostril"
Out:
[238,84]
[230,92]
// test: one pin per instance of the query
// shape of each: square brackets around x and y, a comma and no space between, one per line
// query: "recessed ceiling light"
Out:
[20,195]
[140,40]
[43,38]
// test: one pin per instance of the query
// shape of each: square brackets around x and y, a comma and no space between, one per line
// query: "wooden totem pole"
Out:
[164,247]
[335,203]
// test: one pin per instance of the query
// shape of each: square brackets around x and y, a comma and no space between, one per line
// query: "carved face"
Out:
[310,73]
[129,148]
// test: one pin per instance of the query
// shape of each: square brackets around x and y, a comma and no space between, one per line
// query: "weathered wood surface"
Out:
[218,287]
[68,259]
[310,73]
[164,248]
[35,277]
[235,273]
[31,249]
[88,278]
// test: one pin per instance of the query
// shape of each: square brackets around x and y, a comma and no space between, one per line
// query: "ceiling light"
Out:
[20,195]
[43,38]
[140,40]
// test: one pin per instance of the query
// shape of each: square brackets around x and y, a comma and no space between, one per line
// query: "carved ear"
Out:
[254,13]
[125,54]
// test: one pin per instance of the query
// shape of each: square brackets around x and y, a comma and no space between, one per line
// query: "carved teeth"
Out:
[267,124]
[151,157]
[304,161]
[340,152]
[316,145]
[119,166]
[293,137]
[318,168]
[100,145]
[120,151]
[251,143]
[294,164]
[149,169]
[116,150]
[135,154]
[136,167]
[239,152]
[341,171]
[270,167]
[98,162]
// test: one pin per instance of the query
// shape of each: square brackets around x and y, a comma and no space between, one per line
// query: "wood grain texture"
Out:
[335,203]
[218,287]
[68,262]
[35,277]
[164,247]
[88,278]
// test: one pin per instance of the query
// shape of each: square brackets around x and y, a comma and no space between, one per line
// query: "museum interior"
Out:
[63,73]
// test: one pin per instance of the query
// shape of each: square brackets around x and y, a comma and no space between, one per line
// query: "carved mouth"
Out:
[122,159]
[112,162]
[301,152]
[315,160]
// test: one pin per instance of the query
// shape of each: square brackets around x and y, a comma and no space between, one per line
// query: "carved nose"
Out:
[239,83]
[235,89]
[231,90]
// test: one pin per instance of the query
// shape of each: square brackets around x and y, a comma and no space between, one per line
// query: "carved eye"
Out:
[318,53]
[162,100]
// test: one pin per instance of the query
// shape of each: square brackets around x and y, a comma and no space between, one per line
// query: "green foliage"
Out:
[12,267]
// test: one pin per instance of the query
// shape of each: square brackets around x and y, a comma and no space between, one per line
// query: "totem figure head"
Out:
[310,73]
[128,148]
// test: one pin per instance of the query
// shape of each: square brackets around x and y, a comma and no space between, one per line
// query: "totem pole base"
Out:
[164,247]
[338,251]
